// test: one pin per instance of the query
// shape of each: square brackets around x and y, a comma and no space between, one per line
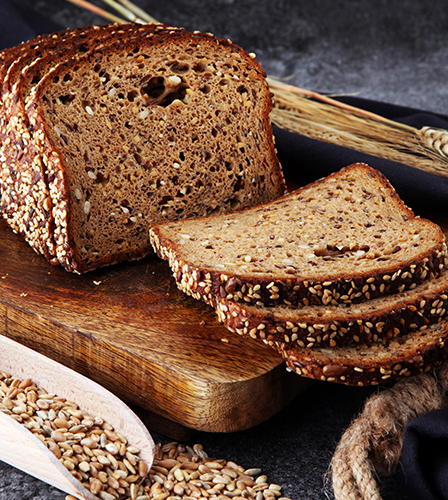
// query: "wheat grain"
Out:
[87,446]
[100,458]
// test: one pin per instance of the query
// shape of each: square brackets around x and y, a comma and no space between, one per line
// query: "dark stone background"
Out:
[393,51]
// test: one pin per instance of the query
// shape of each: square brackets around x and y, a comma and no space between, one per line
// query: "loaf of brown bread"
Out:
[372,321]
[343,239]
[155,125]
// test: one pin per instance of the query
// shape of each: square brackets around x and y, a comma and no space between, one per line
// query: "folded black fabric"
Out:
[424,459]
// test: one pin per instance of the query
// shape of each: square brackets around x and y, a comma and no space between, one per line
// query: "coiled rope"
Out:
[374,440]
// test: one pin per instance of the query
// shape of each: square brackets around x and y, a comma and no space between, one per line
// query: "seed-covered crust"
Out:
[12,54]
[401,357]
[372,321]
[159,125]
[26,202]
[9,194]
[344,239]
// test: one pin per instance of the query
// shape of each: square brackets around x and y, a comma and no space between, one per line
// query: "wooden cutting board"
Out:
[129,328]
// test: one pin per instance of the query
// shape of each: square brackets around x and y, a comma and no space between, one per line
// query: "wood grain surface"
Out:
[128,328]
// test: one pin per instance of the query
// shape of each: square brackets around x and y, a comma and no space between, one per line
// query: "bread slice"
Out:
[400,357]
[11,54]
[343,239]
[24,69]
[159,126]
[372,321]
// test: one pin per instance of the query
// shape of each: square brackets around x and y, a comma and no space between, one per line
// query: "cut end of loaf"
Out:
[158,126]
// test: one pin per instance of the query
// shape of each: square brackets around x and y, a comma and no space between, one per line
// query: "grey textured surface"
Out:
[387,50]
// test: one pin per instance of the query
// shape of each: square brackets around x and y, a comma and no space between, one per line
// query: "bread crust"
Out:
[373,321]
[409,355]
[10,200]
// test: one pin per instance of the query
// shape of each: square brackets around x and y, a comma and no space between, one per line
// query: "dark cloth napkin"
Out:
[424,465]
[424,457]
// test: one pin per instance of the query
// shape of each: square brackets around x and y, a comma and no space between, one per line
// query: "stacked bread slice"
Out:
[107,129]
[26,203]
[339,276]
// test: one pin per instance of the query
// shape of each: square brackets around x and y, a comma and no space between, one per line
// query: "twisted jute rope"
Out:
[374,440]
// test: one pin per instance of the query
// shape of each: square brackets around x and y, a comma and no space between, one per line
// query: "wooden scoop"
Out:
[20,448]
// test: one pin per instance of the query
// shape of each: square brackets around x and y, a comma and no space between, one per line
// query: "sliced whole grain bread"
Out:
[26,205]
[372,321]
[404,356]
[161,126]
[9,55]
[343,239]
[8,58]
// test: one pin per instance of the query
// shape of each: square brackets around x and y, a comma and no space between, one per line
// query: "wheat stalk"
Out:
[331,121]
[144,16]
[97,10]
[128,14]
[129,10]
[323,118]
